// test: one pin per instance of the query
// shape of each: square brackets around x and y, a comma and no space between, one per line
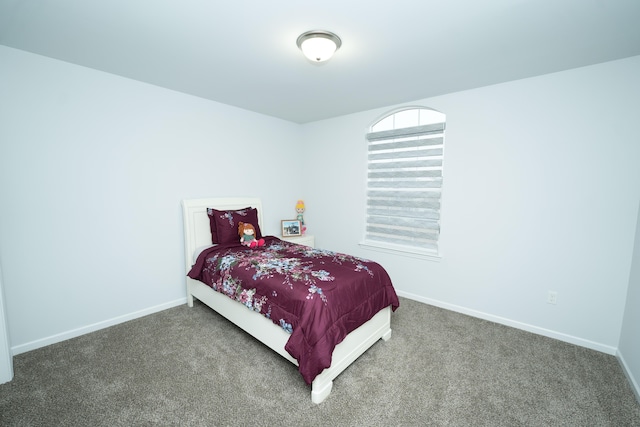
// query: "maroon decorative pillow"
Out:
[224,224]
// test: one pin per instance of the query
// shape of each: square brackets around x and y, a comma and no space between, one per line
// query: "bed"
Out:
[269,328]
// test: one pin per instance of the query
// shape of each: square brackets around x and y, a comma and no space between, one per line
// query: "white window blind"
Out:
[404,186]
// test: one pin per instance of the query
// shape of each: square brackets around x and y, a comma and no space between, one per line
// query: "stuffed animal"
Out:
[300,211]
[247,235]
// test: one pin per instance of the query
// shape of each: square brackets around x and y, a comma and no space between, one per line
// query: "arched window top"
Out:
[408,117]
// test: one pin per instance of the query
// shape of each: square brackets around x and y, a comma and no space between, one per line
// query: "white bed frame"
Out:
[197,234]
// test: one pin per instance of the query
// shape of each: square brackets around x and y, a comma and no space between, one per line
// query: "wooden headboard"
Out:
[197,231]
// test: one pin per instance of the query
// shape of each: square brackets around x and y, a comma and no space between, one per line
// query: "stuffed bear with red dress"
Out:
[247,235]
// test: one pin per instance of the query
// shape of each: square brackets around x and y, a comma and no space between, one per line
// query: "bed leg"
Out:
[320,391]
[387,335]
[189,293]
[189,300]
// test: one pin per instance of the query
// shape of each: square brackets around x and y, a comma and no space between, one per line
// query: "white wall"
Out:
[541,190]
[541,193]
[6,359]
[92,170]
[629,346]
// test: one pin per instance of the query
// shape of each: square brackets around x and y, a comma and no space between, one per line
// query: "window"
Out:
[404,183]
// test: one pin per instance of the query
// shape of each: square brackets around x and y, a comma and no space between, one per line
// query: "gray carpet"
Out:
[190,367]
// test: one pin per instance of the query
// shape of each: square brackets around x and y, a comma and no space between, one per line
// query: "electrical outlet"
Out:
[552,297]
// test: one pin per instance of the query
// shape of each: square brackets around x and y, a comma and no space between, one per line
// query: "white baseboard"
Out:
[627,372]
[514,324]
[23,348]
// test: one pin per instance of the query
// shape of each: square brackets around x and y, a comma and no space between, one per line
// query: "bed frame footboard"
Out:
[345,353]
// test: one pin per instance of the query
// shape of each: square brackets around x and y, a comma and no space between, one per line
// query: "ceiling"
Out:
[243,52]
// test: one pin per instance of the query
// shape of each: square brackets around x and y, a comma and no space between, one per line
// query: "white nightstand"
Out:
[306,239]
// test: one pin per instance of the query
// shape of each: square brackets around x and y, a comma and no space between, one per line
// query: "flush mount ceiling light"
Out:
[318,45]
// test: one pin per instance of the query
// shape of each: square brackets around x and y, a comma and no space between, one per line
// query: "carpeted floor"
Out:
[190,367]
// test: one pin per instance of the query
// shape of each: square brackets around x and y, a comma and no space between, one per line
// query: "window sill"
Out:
[405,251]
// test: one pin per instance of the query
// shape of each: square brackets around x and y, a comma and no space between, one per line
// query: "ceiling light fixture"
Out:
[318,45]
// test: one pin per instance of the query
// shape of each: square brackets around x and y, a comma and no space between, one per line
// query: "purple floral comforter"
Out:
[316,295]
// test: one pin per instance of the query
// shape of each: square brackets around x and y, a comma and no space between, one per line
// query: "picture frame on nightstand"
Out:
[291,227]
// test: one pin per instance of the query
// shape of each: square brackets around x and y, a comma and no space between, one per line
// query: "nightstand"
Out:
[306,239]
